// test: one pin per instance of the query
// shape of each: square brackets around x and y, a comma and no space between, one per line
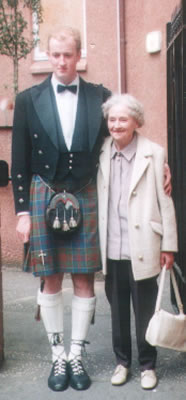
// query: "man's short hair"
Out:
[64,33]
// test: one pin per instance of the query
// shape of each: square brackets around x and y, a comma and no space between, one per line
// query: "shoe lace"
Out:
[59,367]
[81,344]
[77,366]
[56,339]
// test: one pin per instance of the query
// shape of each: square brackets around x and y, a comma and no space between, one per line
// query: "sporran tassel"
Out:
[65,226]
[56,223]
[72,222]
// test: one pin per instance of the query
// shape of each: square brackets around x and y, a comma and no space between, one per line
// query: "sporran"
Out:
[63,215]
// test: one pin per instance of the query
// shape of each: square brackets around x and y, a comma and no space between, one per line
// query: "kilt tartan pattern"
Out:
[50,253]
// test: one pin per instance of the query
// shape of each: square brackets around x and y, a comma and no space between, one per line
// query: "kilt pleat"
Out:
[49,253]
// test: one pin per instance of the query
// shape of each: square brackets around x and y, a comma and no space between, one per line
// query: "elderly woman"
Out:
[137,231]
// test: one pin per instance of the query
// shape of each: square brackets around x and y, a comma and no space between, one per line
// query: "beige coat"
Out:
[151,215]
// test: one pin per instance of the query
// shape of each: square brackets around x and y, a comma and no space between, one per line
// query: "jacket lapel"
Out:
[94,101]
[142,160]
[42,101]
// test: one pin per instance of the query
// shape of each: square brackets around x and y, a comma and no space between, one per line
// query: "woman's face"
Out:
[121,125]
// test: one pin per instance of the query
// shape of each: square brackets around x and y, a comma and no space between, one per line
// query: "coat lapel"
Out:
[142,160]
[42,101]
[104,160]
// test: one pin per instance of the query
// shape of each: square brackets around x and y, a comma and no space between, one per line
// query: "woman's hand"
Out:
[167,258]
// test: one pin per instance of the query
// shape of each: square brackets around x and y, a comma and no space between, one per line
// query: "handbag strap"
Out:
[176,291]
[161,287]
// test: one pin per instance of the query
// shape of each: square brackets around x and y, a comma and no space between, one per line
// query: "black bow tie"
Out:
[71,88]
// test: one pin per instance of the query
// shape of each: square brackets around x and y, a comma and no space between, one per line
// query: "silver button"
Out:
[20,188]
[70,167]
[71,155]
[70,161]
[47,166]
[19,176]
[35,135]
[40,152]
[21,201]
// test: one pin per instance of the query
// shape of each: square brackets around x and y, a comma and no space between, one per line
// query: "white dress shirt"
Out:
[67,108]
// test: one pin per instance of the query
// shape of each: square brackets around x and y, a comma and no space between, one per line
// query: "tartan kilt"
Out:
[49,253]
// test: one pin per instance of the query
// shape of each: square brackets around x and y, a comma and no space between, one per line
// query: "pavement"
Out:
[27,364]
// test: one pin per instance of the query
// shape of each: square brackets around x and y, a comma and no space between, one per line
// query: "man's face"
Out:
[63,57]
[121,125]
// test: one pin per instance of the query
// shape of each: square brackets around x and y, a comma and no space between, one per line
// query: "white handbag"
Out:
[166,329]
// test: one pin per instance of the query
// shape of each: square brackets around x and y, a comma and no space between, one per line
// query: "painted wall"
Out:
[146,73]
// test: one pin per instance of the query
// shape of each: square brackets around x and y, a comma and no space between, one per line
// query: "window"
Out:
[59,13]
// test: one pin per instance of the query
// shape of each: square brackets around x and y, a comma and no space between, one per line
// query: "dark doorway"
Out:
[176,107]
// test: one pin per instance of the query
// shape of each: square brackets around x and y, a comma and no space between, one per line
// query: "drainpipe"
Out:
[122,46]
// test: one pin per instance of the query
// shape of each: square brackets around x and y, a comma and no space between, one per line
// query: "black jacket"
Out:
[35,145]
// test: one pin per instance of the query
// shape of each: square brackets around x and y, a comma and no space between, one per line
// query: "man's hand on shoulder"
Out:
[167,180]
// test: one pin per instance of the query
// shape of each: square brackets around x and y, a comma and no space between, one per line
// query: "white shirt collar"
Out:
[128,152]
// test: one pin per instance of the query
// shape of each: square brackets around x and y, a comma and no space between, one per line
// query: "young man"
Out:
[57,134]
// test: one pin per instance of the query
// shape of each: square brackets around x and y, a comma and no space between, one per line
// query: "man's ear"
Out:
[79,55]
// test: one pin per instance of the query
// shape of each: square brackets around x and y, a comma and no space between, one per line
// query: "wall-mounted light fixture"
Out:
[153,42]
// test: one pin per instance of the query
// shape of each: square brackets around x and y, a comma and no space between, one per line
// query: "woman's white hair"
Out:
[135,108]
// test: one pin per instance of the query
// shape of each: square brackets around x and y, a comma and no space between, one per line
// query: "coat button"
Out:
[136,226]
[21,201]
[35,135]
[134,193]
[71,155]
[70,161]
[47,166]
[19,176]
[20,188]
[70,167]
[140,258]
[40,152]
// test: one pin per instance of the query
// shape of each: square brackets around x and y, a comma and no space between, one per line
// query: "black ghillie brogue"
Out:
[59,379]
[78,377]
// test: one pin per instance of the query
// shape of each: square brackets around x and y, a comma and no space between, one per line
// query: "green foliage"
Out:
[14,34]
